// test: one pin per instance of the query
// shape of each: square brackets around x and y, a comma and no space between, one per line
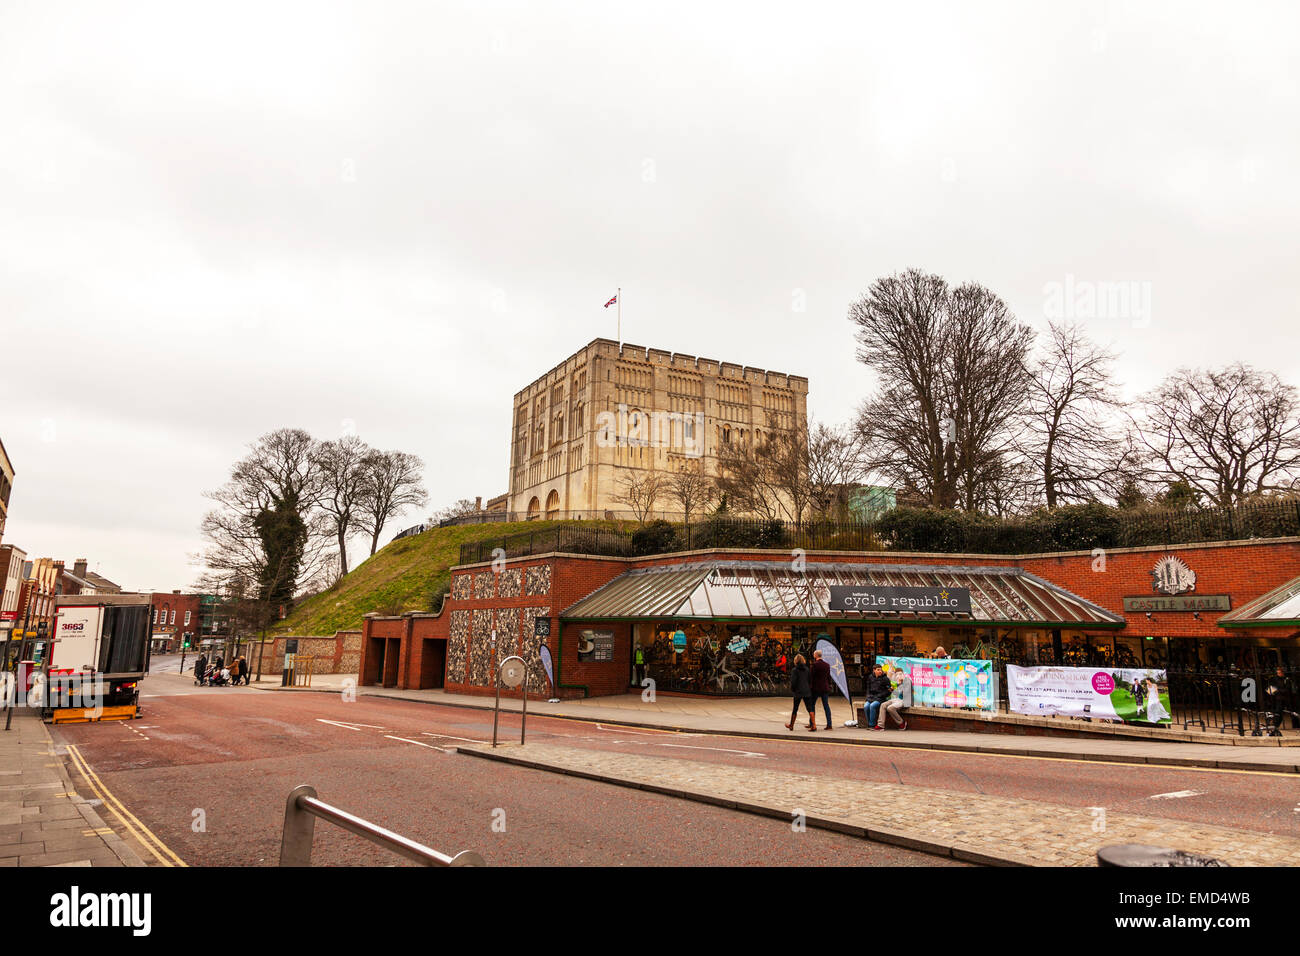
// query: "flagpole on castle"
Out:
[619,292]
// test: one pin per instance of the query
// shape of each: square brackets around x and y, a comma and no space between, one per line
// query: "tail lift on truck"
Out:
[100,655]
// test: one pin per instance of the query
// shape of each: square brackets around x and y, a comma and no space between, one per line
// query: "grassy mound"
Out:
[408,575]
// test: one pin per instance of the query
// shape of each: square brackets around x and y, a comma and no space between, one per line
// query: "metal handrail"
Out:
[300,813]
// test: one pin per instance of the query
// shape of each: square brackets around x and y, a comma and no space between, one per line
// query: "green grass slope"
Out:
[407,575]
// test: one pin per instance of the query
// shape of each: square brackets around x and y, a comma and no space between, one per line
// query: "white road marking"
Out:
[743,753]
[417,743]
[468,740]
[641,733]
[347,726]
[1176,794]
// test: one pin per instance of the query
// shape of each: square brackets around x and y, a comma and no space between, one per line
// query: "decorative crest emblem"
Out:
[1172,576]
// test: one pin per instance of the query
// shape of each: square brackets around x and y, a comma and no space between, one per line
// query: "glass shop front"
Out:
[745,658]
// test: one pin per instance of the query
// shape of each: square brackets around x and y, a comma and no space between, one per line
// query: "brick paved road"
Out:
[1035,833]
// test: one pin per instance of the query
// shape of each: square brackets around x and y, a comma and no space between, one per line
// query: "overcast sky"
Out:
[393,216]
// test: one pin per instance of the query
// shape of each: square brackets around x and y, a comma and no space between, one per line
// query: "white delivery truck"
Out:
[100,654]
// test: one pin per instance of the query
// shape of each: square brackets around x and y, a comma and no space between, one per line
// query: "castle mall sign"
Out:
[1188,602]
[898,600]
[1173,581]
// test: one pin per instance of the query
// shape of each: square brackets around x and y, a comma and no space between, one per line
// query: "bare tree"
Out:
[640,491]
[457,509]
[392,485]
[343,475]
[690,488]
[1074,439]
[266,527]
[951,370]
[769,480]
[1226,433]
[836,465]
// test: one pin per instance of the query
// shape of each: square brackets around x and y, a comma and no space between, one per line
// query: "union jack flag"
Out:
[611,302]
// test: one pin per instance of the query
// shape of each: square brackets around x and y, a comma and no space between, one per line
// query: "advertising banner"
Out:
[831,655]
[545,653]
[1134,696]
[947,682]
[77,638]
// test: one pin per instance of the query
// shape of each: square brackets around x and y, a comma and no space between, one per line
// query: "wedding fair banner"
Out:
[947,682]
[1131,695]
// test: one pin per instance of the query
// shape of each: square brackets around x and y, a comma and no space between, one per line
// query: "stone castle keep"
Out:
[610,410]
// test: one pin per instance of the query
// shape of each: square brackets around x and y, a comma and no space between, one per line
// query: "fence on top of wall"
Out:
[1072,528]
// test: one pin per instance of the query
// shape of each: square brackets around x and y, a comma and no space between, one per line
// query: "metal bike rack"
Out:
[300,813]
[515,676]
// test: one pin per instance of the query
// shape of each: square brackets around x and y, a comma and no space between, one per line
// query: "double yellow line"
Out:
[130,822]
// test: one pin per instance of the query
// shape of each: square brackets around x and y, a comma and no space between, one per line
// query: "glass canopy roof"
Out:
[772,590]
[1278,608]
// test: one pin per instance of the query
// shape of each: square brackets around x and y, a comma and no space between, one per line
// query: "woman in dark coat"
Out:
[801,690]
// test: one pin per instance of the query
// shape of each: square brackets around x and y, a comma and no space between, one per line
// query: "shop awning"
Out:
[735,590]
[1280,607]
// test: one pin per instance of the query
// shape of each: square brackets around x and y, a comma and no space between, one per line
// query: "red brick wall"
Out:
[571,579]
[1243,570]
[601,678]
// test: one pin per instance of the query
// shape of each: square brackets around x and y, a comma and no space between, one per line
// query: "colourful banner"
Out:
[1134,696]
[947,682]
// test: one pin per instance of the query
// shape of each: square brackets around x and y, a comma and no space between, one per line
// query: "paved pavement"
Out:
[43,822]
[765,718]
[976,828]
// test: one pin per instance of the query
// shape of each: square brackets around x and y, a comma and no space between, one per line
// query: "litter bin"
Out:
[1136,854]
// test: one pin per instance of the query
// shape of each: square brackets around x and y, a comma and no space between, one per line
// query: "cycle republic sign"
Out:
[896,600]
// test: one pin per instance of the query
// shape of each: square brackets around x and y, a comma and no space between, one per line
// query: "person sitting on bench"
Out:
[900,698]
[878,691]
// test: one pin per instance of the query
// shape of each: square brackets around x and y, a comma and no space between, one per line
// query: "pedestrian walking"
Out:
[820,678]
[242,662]
[801,690]
[201,670]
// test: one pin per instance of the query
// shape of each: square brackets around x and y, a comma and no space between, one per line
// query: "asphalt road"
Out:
[234,754]
[207,770]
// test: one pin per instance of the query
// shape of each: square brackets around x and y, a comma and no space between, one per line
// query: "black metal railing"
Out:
[570,538]
[1226,700]
[916,530]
